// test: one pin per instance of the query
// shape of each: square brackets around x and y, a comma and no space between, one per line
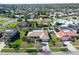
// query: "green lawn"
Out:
[9,26]
[2,16]
[21,50]
[1,21]
[54,49]
[76,43]
[12,50]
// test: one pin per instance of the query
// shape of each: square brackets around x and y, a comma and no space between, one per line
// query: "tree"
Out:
[34,25]
[24,39]
[26,17]
[16,47]
[56,25]
[34,39]
[19,20]
[54,40]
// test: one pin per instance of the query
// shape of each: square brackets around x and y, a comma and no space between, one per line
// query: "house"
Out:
[65,33]
[19,16]
[10,31]
[58,14]
[42,34]
[43,21]
[24,24]
[13,34]
[31,15]
[75,28]
[67,22]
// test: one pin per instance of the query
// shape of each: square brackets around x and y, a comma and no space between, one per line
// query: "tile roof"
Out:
[41,33]
[63,33]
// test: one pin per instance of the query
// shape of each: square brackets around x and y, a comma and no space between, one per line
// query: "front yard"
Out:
[76,43]
[55,44]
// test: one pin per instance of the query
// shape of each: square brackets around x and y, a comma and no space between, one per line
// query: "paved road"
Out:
[10,21]
[6,23]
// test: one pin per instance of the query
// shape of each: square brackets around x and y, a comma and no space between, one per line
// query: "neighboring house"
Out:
[43,21]
[75,28]
[42,34]
[31,15]
[13,34]
[24,24]
[19,16]
[65,33]
[43,16]
[10,31]
[58,14]
[72,13]
[67,22]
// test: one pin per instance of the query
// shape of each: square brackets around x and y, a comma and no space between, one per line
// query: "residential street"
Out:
[6,23]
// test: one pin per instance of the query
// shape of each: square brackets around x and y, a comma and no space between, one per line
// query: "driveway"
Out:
[45,46]
[70,46]
[2,44]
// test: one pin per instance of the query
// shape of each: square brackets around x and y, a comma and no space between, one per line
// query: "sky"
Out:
[36,1]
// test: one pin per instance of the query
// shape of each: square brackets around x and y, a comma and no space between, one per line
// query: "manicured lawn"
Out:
[76,43]
[8,50]
[77,48]
[9,26]
[21,50]
[13,50]
[1,21]
[58,49]
[2,16]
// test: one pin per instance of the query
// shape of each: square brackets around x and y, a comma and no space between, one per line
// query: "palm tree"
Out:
[35,38]
[54,40]
[26,17]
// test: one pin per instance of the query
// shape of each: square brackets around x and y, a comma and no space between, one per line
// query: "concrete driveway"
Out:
[45,47]
[2,44]
[70,46]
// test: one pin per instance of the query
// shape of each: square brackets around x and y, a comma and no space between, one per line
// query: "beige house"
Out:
[42,34]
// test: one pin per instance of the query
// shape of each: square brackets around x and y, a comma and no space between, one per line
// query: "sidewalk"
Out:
[2,44]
